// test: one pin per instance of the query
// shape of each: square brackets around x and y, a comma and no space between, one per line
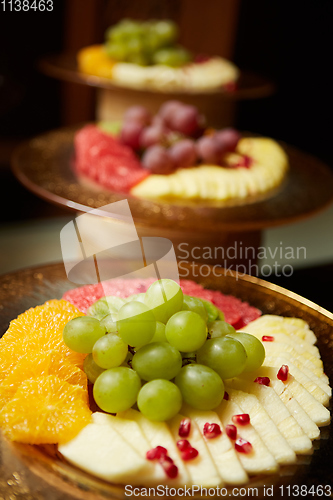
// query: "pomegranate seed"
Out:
[263,380]
[170,468]
[242,419]
[183,444]
[189,454]
[184,427]
[231,431]
[211,431]
[267,338]
[283,373]
[243,446]
[226,396]
[156,453]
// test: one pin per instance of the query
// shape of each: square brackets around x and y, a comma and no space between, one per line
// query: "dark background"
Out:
[290,42]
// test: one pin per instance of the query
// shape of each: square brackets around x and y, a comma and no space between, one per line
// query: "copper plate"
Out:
[64,67]
[43,165]
[32,473]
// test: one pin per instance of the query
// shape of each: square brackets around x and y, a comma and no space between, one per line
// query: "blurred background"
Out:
[290,43]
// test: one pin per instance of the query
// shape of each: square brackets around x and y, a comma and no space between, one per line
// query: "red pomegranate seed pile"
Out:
[211,431]
[283,373]
[187,451]
[231,431]
[267,338]
[184,427]
[263,380]
[161,454]
[241,419]
[243,446]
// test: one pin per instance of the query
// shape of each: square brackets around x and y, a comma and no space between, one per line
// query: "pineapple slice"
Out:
[264,425]
[312,362]
[260,460]
[202,469]
[294,327]
[221,448]
[278,412]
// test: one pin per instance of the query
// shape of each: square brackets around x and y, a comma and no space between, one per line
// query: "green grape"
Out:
[123,30]
[116,50]
[166,31]
[194,304]
[213,312]
[159,335]
[200,386]
[109,324]
[186,331]
[172,56]
[157,360]
[165,298]
[116,389]
[136,324]
[128,360]
[159,400]
[91,369]
[225,355]
[189,357]
[139,297]
[104,306]
[220,328]
[139,59]
[80,334]
[109,351]
[110,127]
[254,349]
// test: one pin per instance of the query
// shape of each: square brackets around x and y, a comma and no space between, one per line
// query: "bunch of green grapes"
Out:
[145,43]
[158,349]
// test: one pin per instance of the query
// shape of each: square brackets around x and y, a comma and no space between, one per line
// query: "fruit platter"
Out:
[224,383]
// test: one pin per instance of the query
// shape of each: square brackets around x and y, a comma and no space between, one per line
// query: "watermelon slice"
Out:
[236,312]
[106,161]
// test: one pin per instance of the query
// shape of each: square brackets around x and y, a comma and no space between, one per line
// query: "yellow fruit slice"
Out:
[45,410]
[39,364]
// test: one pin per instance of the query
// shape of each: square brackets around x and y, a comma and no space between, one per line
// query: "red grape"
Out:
[208,149]
[130,134]
[168,108]
[152,135]
[183,153]
[157,160]
[228,137]
[185,119]
[138,114]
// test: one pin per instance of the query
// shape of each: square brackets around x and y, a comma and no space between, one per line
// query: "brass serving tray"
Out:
[44,165]
[34,473]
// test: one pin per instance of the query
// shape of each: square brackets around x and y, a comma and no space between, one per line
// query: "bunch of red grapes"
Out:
[175,137]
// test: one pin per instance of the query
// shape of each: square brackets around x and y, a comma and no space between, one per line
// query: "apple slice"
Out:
[101,451]
[260,460]
[264,425]
[220,448]
[159,434]
[202,469]
[278,412]
[316,411]
[308,384]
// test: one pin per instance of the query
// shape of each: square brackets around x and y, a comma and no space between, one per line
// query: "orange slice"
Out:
[45,410]
[38,364]
[39,328]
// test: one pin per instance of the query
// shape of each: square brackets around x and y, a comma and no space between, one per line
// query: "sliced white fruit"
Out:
[260,460]
[221,448]
[131,432]
[278,412]
[316,411]
[294,327]
[202,469]
[312,362]
[101,451]
[159,434]
[308,384]
[264,425]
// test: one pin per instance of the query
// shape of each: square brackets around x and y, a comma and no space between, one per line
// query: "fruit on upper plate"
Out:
[147,55]
[174,155]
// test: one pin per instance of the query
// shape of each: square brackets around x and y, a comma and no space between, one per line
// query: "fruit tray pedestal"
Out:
[112,100]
